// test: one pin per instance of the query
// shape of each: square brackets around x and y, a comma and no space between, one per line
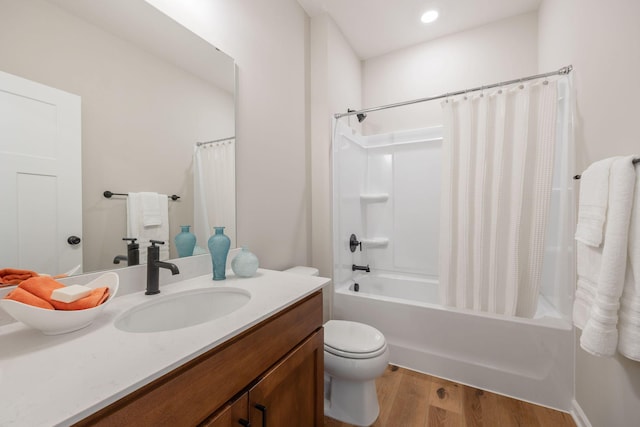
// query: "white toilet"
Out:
[355,355]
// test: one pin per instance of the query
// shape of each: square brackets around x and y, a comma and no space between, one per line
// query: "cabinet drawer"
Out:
[190,393]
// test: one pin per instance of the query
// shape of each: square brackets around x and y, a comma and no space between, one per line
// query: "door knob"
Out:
[73,240]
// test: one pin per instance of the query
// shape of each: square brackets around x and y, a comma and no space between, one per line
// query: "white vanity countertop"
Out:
[59,380]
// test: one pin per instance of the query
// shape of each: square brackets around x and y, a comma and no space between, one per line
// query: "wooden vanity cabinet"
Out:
[290,394]
[232,415]
[270,375]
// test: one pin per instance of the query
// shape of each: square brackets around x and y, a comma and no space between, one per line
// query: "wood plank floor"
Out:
[412,399]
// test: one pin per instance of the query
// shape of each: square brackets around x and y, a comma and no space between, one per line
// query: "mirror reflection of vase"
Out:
[219,245]
[185,241]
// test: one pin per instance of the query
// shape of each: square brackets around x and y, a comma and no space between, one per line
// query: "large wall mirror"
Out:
[148,89]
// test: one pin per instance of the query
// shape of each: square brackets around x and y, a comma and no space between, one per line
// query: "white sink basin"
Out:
[181,310]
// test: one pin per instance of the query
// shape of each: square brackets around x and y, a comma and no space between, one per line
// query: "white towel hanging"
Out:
[600,334]
[629,324]
[137,229]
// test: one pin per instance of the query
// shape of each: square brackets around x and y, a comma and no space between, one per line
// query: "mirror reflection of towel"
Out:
[144,233]
[13,276]
[150,205]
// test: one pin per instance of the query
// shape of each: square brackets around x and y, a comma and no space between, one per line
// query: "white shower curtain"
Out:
[214,190]
[498,156]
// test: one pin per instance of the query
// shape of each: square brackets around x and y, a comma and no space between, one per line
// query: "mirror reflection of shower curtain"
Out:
[498,157]
[214,191]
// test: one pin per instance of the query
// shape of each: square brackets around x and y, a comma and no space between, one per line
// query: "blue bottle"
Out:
[185,241]
[219,245]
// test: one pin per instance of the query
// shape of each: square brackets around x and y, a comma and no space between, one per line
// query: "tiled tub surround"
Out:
[59,380]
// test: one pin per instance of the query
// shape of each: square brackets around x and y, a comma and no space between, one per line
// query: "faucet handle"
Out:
[156,242]
[354,243]
[130,239]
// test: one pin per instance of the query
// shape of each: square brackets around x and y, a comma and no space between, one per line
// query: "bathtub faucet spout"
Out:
[361,268]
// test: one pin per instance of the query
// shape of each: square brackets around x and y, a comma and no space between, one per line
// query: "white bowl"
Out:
[54,322]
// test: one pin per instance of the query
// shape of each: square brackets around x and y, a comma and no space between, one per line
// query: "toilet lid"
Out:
[352,339]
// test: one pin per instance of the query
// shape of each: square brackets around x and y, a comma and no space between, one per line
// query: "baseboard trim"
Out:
[578,415]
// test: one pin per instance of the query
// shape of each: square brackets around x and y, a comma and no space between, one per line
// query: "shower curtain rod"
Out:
[561,71]
[215,140]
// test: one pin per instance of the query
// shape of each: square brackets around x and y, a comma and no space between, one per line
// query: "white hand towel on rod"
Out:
[137,229]
[592,206]
[592,210]
[600,334]
[629,338]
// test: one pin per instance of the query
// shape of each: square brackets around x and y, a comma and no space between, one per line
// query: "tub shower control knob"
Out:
[354,243]
[75,240]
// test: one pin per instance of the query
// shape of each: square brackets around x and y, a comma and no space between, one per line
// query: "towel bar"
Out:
[634,161]
[108,195]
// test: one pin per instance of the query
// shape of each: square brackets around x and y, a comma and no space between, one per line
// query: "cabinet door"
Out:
[233,415]
[291,394]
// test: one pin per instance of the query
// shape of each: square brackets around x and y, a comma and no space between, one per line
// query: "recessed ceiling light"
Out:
[429,16]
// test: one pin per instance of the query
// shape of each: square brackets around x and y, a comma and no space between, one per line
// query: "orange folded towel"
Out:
[25,297]
[13,276]
[41,287]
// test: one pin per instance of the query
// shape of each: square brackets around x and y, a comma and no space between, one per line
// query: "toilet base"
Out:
[352,402]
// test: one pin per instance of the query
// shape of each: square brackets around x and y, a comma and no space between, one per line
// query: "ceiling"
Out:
[376,27]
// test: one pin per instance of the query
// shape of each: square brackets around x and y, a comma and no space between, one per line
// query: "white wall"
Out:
[140,115]
[335,86]
[600,40]
[269,41]
[499,51]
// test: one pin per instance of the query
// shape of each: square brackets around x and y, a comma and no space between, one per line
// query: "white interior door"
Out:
[40,176]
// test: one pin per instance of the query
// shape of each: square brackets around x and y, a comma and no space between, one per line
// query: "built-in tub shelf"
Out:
[374,197]
[375,242]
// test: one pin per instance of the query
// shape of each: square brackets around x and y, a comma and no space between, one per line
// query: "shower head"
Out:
[360,116]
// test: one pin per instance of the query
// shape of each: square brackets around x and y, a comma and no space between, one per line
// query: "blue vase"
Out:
[185,241]
[219,245]
[245,264]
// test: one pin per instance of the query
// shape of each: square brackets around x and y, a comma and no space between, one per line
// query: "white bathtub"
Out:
[529,359]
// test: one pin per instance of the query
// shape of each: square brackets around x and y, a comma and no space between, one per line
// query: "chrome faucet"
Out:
[153,267]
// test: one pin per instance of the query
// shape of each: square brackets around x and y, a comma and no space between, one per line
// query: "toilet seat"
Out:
[353,340]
